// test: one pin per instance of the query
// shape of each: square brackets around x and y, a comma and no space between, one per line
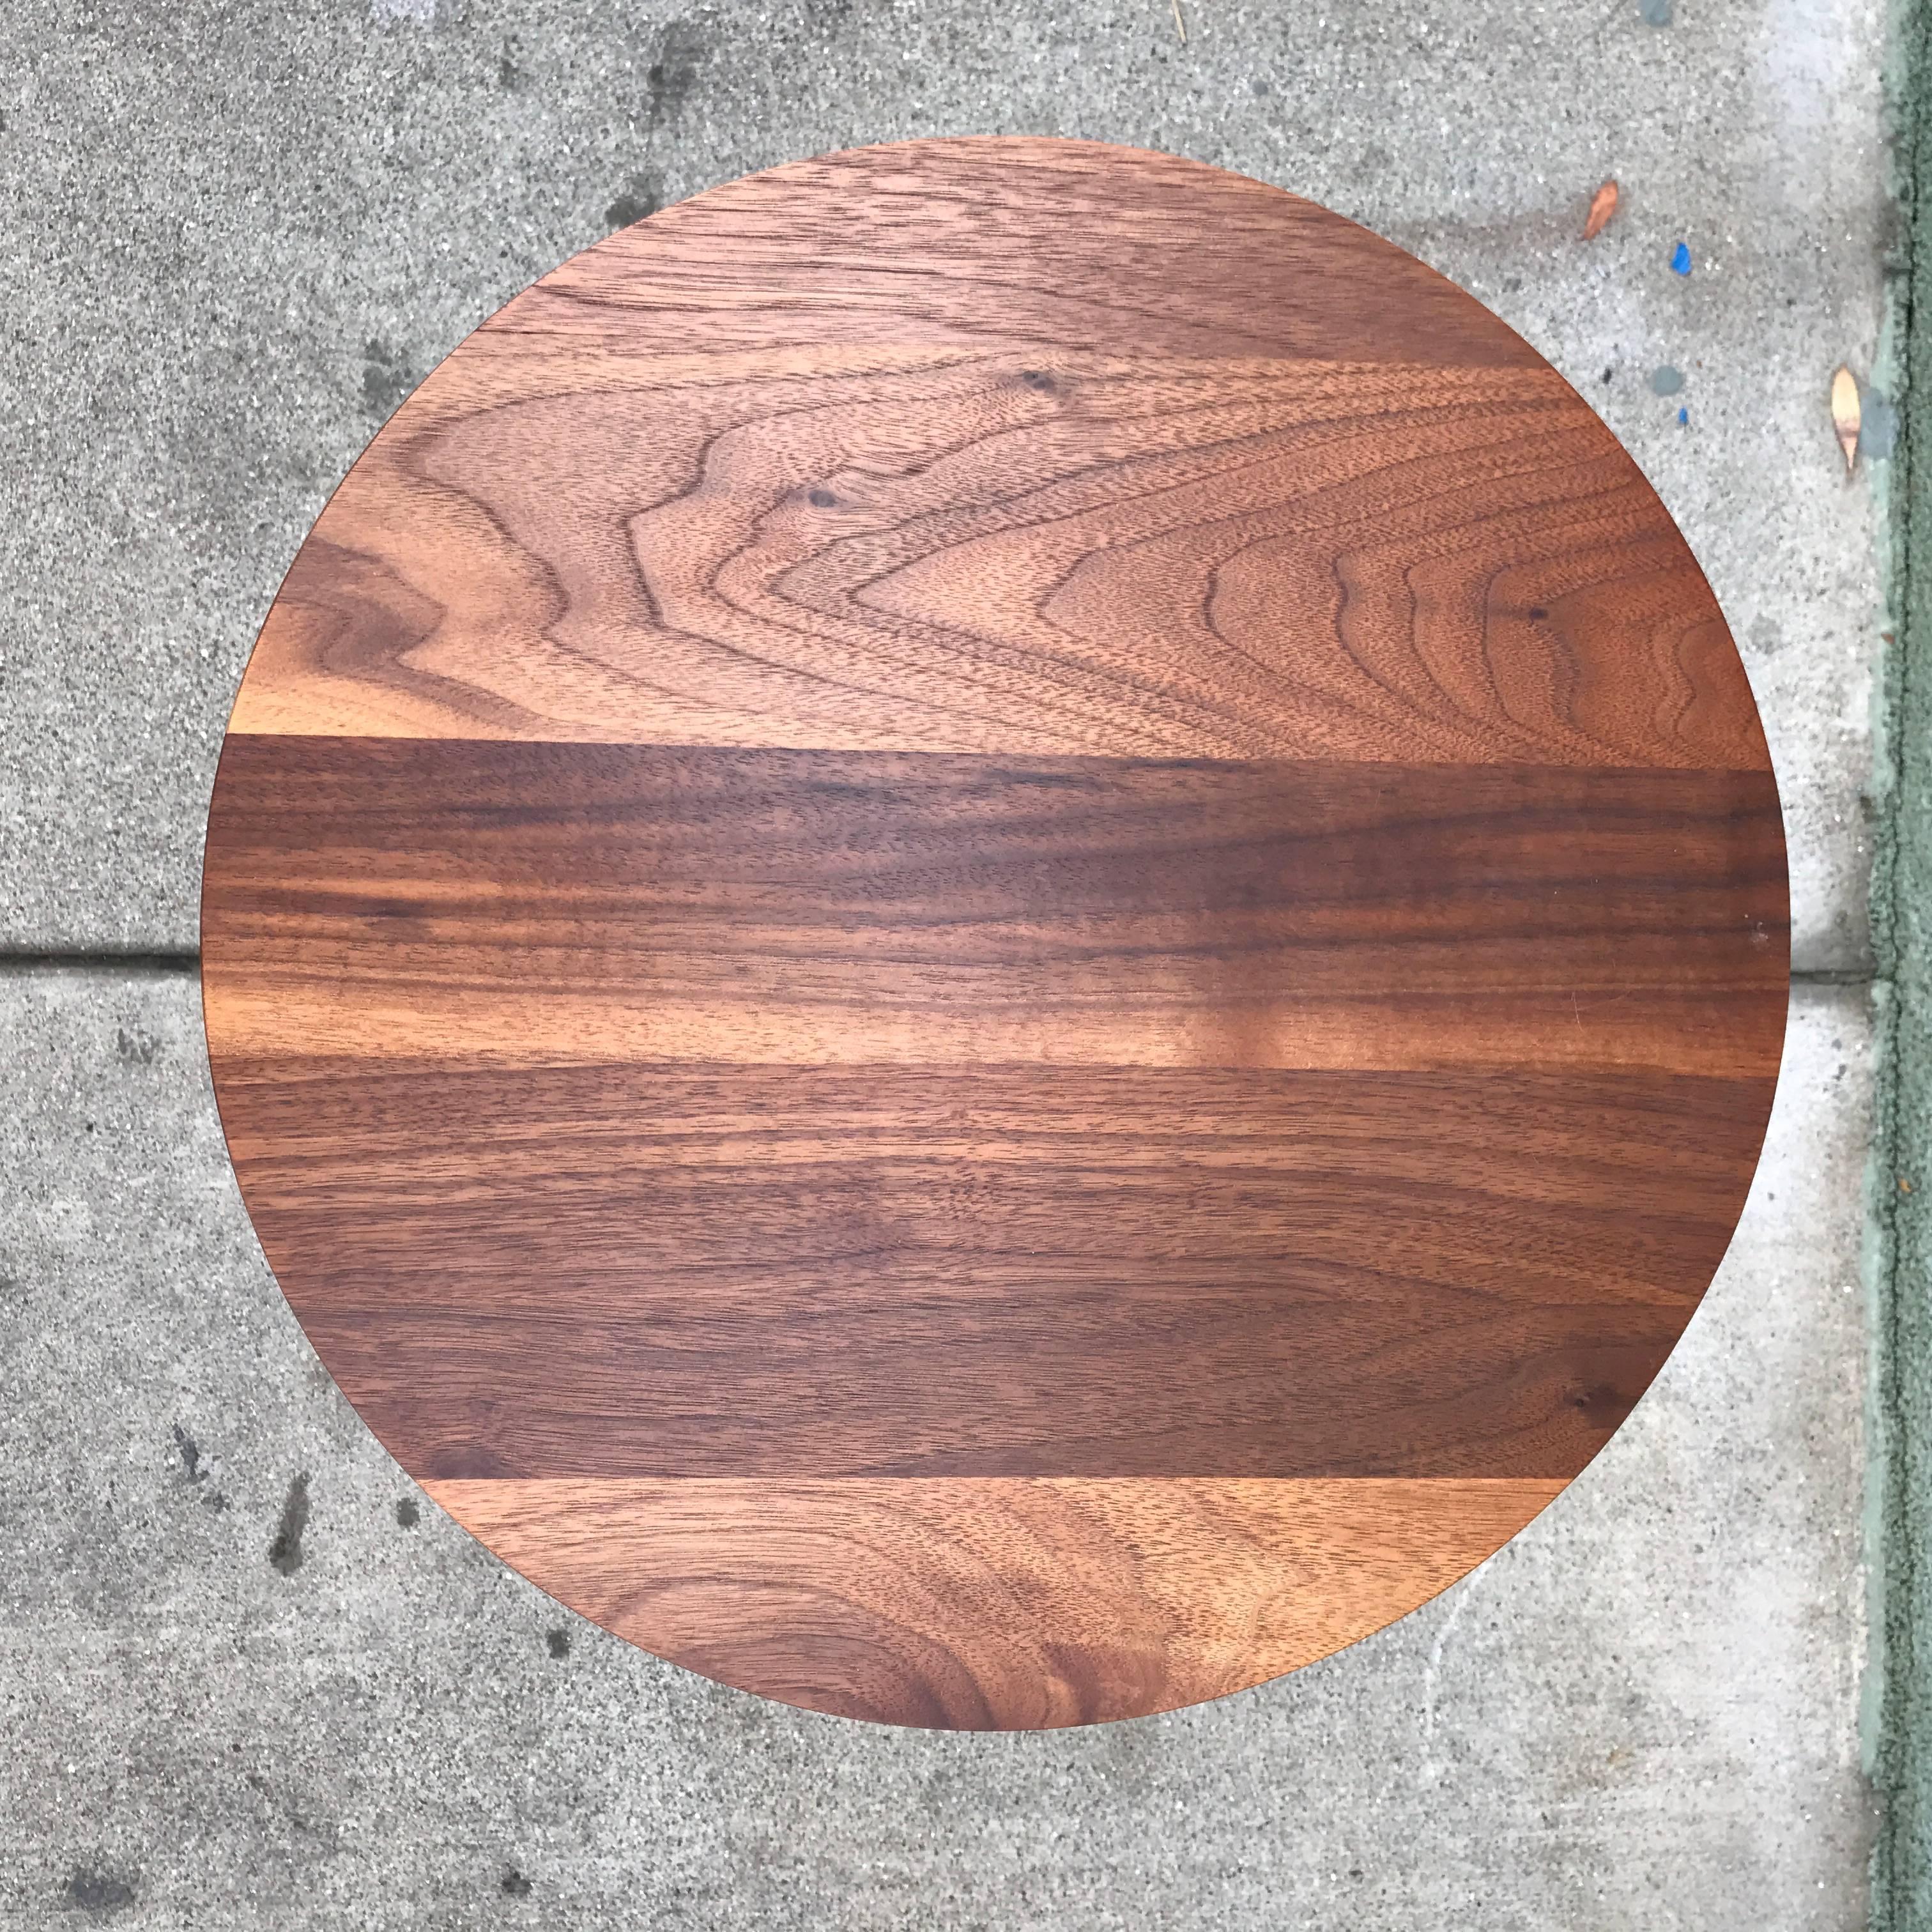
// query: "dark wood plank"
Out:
[737,1270]
[972,1604]
[393,898]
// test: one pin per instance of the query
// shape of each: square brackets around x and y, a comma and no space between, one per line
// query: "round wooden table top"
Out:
[995,934]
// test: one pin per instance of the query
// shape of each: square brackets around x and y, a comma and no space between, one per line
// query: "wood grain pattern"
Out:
[1289,495]
[720,1269]
[993,1605]
[394,898]
[995,932]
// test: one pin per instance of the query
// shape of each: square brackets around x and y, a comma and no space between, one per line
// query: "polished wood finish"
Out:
[1081,1271]
[680,903]
[994,933]
[975,1603]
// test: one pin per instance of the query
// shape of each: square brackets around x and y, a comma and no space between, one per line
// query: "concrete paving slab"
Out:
[249,1678]
[237,234]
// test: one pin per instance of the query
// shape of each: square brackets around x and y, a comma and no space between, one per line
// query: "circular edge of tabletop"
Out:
[1018,148]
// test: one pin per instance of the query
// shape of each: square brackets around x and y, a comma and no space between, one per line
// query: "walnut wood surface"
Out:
[979,1603]
[994,932]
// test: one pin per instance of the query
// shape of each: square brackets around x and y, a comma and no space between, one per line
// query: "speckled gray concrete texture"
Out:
[232,236]
[237,1689]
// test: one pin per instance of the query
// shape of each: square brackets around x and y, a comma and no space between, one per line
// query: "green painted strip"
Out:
[1897,1720]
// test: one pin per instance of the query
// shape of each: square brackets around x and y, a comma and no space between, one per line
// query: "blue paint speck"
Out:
[1683,415]
[1680,262]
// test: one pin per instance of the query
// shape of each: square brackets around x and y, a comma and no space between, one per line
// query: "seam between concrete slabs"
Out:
[148,964]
